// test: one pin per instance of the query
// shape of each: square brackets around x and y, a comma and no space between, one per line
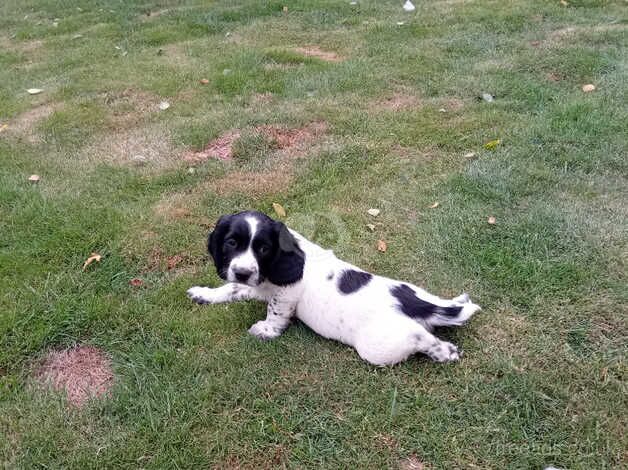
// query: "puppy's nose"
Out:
[241,274]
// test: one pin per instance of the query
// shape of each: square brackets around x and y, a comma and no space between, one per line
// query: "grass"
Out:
[543,377]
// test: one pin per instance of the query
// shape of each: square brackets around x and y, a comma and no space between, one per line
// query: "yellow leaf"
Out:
[279,210]
[371,227]
[589,87]
[435,205]
[381,246]
[491,144]
[3,127]
[94,257]
[564,3]
[34,178]
[492,220]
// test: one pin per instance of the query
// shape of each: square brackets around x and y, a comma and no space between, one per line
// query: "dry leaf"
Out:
[469,155]
[285,9]
[492,220]
[164,105]
[34,178]
[564,3]
[371,227]
[204,81]
[136,282]
[588,87]
[34,91]
[491,144]
[435,205]
[279,210]
[93,257]
[3,127]
[381,246]
[373,212]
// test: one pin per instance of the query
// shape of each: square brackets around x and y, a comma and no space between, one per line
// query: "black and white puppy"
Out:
[384,320]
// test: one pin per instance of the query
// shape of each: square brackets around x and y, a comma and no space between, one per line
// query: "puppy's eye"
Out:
[231,242]
[263,250]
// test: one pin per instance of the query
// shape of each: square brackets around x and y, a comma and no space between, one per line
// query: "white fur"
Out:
[368,320]
[246,260]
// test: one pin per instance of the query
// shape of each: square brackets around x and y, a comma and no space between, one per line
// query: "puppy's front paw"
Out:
[265,330]
[445,352]
[201,295]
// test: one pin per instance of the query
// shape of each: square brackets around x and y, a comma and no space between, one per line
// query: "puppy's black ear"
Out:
[215,241]
[287,265]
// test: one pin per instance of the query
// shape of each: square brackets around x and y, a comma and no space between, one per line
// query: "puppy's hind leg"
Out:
[393,342]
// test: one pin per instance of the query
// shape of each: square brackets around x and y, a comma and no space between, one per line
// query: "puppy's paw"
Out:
[265,330]
[444,352]
[201,295]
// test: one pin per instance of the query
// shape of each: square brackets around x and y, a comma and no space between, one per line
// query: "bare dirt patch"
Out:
[289,141]
[82,372]
[318,53]
[253,183]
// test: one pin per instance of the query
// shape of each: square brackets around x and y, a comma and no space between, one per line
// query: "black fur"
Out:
[412,306]
[278,255]
[351,281]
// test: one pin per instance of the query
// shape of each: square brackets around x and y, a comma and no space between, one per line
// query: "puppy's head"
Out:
[250,247]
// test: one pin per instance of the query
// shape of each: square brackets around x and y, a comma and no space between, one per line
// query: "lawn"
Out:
[329,109]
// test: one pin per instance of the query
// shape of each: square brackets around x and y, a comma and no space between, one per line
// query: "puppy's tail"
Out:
[460,310]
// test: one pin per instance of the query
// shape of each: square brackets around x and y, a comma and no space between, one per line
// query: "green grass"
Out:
[542,381]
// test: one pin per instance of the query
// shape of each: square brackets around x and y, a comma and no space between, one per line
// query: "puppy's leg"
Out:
[278,316]
[230,292]
[388,343]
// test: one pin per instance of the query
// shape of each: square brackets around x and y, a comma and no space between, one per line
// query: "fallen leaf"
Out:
[435,205]
[285,9]
[488,97]
[77,36]
[400,23]
[604,373]
[442,110]
[371,227]
[204,81]
[381,246]
[469,155]
[93,257]
[535,43]
[491,144]
[34,178]
[353,3]
[588,87]
[279,210]
[564,3]
[3,127]
[373,212]
[34,91]
[136,282]
[408,6]
[164,105]
[492,220]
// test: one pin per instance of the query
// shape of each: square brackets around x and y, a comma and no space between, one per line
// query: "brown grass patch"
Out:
[254,183]
[130,107]
[411,463]
[318,53]
[143,146]
[288,140]
[399,102]
[82,372]
[25,124]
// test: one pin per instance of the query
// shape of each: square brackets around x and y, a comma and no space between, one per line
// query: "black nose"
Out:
[242,275]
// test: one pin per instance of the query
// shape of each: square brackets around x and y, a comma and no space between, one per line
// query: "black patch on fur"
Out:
[351,281]
[412,306]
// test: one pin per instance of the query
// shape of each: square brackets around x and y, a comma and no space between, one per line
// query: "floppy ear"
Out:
[287,266]
[214,243]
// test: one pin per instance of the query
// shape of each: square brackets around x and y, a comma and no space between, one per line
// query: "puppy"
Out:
[385,320]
